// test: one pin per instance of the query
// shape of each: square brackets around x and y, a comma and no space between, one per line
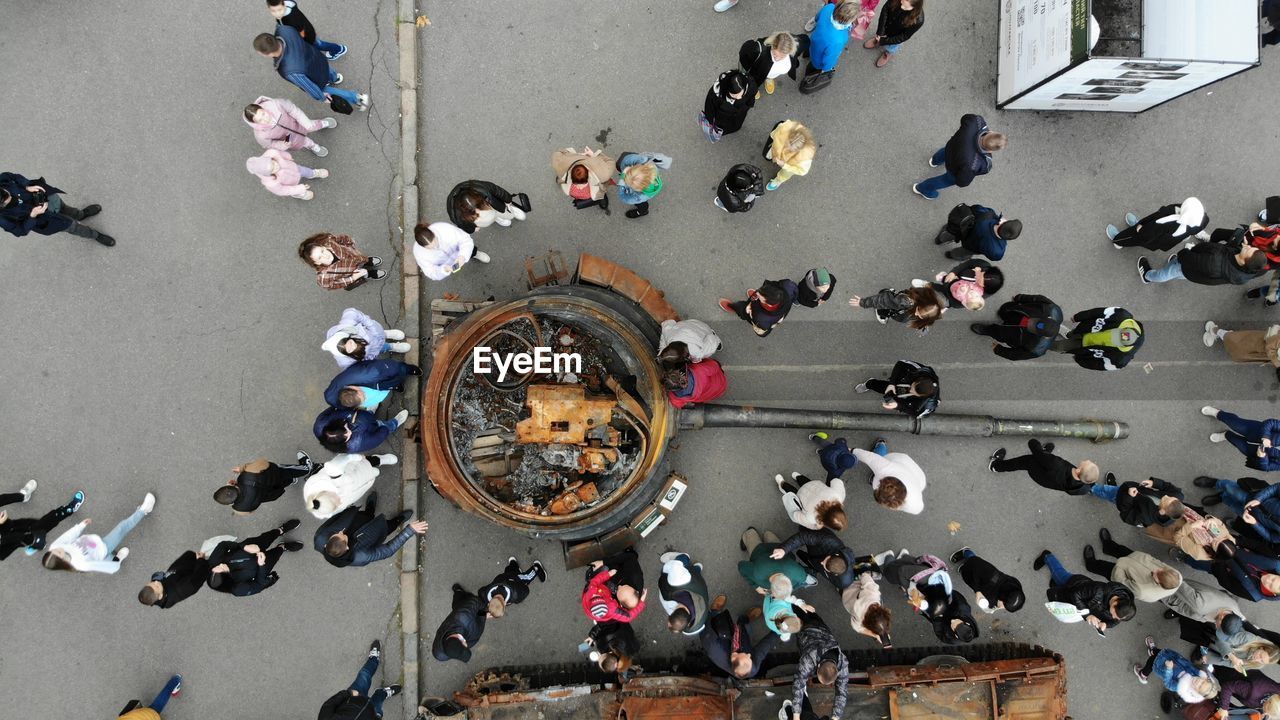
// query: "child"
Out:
[281,175]
[278,123]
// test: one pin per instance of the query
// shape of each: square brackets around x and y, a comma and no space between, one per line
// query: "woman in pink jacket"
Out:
[279,124]
[281,175]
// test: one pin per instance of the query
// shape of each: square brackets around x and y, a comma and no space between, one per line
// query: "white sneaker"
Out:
[1218,437]
[308,195]
[504,222]
[1203,235]
[363,103]
[516,212]
[394,334]
[483,256]
[811,24]
[918,283]
[725,5]
[860,388]
[1209,410]
[399,347]
[121,554]
[401,417]
[337,80]
[27,490]
[329,122]
[784,712]
[322,173]
[320,150]
[1210,334]
[778,479]
[148,504]
[387,459]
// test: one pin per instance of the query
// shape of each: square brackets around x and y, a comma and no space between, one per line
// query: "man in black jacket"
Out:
[1028,326]
[261,481]
[243,568]
[1104,338]
[1107,603]
[183,579]
[823,554]
[1048,470]
[912,389]
[510,587]
[356,703]
[727,644]
[461,629]
[1150,502]
[820,659]
[992,589]
[1209,263]
[35,205]
[353,537]
[966,156]
[613,646]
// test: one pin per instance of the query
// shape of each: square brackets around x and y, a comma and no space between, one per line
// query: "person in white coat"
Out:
[814,504]
[686,341]
[441,249]
[75,551]
[867,614]
[897,482]
[359,337]
[342,482]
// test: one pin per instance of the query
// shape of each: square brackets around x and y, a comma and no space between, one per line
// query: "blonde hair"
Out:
[846,12]
[1207,686]
[1271,707]
[784,42]
[994,141]
[1089,471]
[975,303]
[798,139]
[639,177]
[497,606]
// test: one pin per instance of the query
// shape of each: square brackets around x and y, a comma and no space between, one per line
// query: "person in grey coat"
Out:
[1198,601]
[820,658]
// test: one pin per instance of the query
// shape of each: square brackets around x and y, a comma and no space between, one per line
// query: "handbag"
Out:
[712,132]
[340,105]
[521,200]
[813,83]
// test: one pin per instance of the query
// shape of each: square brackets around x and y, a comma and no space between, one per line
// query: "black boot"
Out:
[1040,560]
[1204,481]
[90,211]
[1211,500]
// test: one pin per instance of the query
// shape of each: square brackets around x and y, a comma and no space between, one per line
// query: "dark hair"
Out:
[674,355]
[250,110]
[1225,550]
[733,82]
[679,620]
[148,595]
[924,299]
[924,387]
[1125,610]
[831,515]
[827,671]
[675,378]
[350,397]
[361,346]
[741,180]
[771,294]
[226,495]
[53,562]
[836,564]
[422,234]
[891,493]
[966,633]
[331,435]
[5,197]
[878,620]
[319,240]
[579,174]
[992,281]
[273,3]
[266,43]
[469,203]
[1009,229]
[1012,597]
[336,547]
[1257,262]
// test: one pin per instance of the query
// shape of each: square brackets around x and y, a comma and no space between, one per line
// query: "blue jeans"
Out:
[1172,271]
[1104,492]
[891,49]
[1232,495]
[163,698]
[1245,435]
[391,425]
[117,534]
[348,95]
[1060,575]
[327,48]
[880,448]
[929,188]
[364,679]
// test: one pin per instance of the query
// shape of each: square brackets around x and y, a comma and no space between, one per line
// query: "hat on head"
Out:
[258,165]
[455,650]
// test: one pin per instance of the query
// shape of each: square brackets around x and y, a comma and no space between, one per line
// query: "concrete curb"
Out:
[407,187]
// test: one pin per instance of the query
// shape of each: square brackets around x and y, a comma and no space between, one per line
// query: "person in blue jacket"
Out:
[34,205]
[979,231]
[638,180]
[367,383]
[835,455]
[1257,440]
[343,430]
[830,34]
[965,156]
[306,66]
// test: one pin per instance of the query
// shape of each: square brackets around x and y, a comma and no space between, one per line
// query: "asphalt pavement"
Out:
[502,90]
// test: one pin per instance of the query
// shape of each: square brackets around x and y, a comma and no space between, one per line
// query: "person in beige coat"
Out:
[341,482]
[1199,536]
[866,613]
[791,147]
[1151,580]
[1246,346]
[584,176]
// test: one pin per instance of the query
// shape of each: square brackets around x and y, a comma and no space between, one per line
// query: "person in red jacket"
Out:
[615,589]
[695,383]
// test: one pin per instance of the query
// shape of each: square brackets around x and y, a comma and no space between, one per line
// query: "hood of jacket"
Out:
[268,105]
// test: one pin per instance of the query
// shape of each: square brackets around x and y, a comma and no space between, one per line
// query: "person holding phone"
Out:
[35,206]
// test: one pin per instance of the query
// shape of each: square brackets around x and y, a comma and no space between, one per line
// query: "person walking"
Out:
[615,588]
[475,204]
[1149,502]
[867,614]
[739,189]
[613,646]
[1163,229]
[830,34]
[261,481]
[965,156]
[1246,346]
[725,108]
[899,20]
[791,147]
[1208,263]
[1177,674]
[638,180]
[727,643]
[278,124]
[978,230]
[897,482]
[925,582]
[367,383]
[682,592]
[1102,604]
[584,176]
[337,262]
[135,710]
[510,587]
[919,307]
[823,554]
[820,659]
[1253,500]
[815,288]
[912,389]
[1253,691]
[354,431]
[765,306]
[992,590]
[341,482]
[835,455]
[1257,440]
[354,537]
[74,551]
[1048,470]
[1028,326]
[359,337]
[1149,579]
[1198,601]
[967,285]
[304,65]
[184,578]
[813,504]
[1104,339]
[356,702]
[36,206]
[287,12]
[281,176]
[462,627]
[694,383]
[686,341]
[29,533]
[766,59]
[441,249]
[247,567]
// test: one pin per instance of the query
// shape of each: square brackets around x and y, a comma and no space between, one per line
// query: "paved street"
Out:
[501,91]
[192,345]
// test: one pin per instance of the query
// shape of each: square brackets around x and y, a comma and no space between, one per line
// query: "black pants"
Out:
[10,498]
[29,532]
[603,202]
[73,214]
[1004,334]
[516,581]
[1102,567]
[640,209]
[1151,662]
[1024,462]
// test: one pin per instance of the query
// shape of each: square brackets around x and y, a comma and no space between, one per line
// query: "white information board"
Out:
[1037,39]
[1123,84]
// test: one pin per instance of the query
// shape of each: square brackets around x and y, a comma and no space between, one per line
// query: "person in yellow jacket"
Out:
[791,147]
[136,711]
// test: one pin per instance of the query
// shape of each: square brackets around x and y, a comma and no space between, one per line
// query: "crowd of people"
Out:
[1226,652]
